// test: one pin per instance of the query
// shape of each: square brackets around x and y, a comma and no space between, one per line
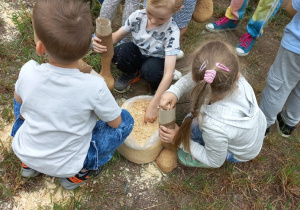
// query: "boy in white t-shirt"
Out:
[57,106]
[152,53]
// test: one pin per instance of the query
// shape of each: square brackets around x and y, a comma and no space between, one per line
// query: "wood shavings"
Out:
[141,131]
[44,197]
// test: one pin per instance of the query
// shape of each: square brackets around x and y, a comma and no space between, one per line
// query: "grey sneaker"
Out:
[125,80]
[28,172]
[73,182]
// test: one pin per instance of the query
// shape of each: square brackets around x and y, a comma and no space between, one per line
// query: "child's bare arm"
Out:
[116,37]
[152,110]
[18,98]
[20,101]
[115,123]
[119,35]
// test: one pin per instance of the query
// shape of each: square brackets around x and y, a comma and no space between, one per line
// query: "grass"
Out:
[270,181]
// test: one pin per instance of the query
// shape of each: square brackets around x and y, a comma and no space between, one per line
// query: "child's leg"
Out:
[184,15]
[17,124]
[127,58]
[106,140]
[109,8]
[283,77]
[233,15]
[152,71]
[196,135]
[291,115]
[129,7]
[237,9]
[25,170]
[265,10]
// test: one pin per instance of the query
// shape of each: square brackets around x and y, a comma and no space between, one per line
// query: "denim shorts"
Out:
[105,139]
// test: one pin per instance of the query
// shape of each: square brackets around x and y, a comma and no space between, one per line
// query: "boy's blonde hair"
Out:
[64,27]
[206,58]
[176,4]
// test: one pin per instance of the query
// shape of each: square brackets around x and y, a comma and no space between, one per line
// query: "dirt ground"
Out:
[125,185]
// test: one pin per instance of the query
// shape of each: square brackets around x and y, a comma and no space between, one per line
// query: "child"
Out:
[182,18]
[225,122]
[265,10]
[60,135]
[109,8]
[283,83]
[152,54]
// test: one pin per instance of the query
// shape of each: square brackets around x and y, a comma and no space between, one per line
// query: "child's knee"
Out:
[127,119]
[127,122]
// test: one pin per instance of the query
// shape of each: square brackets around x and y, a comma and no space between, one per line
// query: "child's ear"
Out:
[40,48]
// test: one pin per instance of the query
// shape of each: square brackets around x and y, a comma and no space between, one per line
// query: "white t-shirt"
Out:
[156,42]
[60,107]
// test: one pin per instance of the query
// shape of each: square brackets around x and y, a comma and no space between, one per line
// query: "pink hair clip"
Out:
[222,66]
[209,76]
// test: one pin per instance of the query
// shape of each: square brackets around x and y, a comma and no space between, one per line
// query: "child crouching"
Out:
[225,122]
[56,106]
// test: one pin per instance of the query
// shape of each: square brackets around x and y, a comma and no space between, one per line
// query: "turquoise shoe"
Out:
[188,160]
[245,45]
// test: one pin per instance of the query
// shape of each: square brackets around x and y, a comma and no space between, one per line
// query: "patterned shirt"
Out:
[156,42]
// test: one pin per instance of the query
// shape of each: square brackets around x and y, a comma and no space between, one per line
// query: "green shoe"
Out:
[188,160]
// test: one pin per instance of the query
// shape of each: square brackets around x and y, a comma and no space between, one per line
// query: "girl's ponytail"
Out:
[215,69]
[200,94]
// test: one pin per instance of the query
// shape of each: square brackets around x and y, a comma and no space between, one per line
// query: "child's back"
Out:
[60,135]
[61,107]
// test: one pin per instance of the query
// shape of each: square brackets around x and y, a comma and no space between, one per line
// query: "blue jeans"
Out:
[105,139]
[196,136]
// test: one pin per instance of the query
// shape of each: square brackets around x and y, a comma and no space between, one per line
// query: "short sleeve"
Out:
[172,44]
[106,107]
[296,5]
[24,72]
[128,26]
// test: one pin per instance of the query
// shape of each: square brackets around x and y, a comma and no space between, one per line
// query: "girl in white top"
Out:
[225,122]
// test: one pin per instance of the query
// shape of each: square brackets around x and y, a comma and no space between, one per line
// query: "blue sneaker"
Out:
[245,45]
[222,24]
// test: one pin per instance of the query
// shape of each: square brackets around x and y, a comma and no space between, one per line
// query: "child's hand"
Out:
[151,113]
[167,135]
[98,48]
[166,99]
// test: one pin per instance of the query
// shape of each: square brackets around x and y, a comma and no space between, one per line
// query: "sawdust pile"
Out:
[6,13]
[141,131]
[43,198]
[5,136]
[147,178]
